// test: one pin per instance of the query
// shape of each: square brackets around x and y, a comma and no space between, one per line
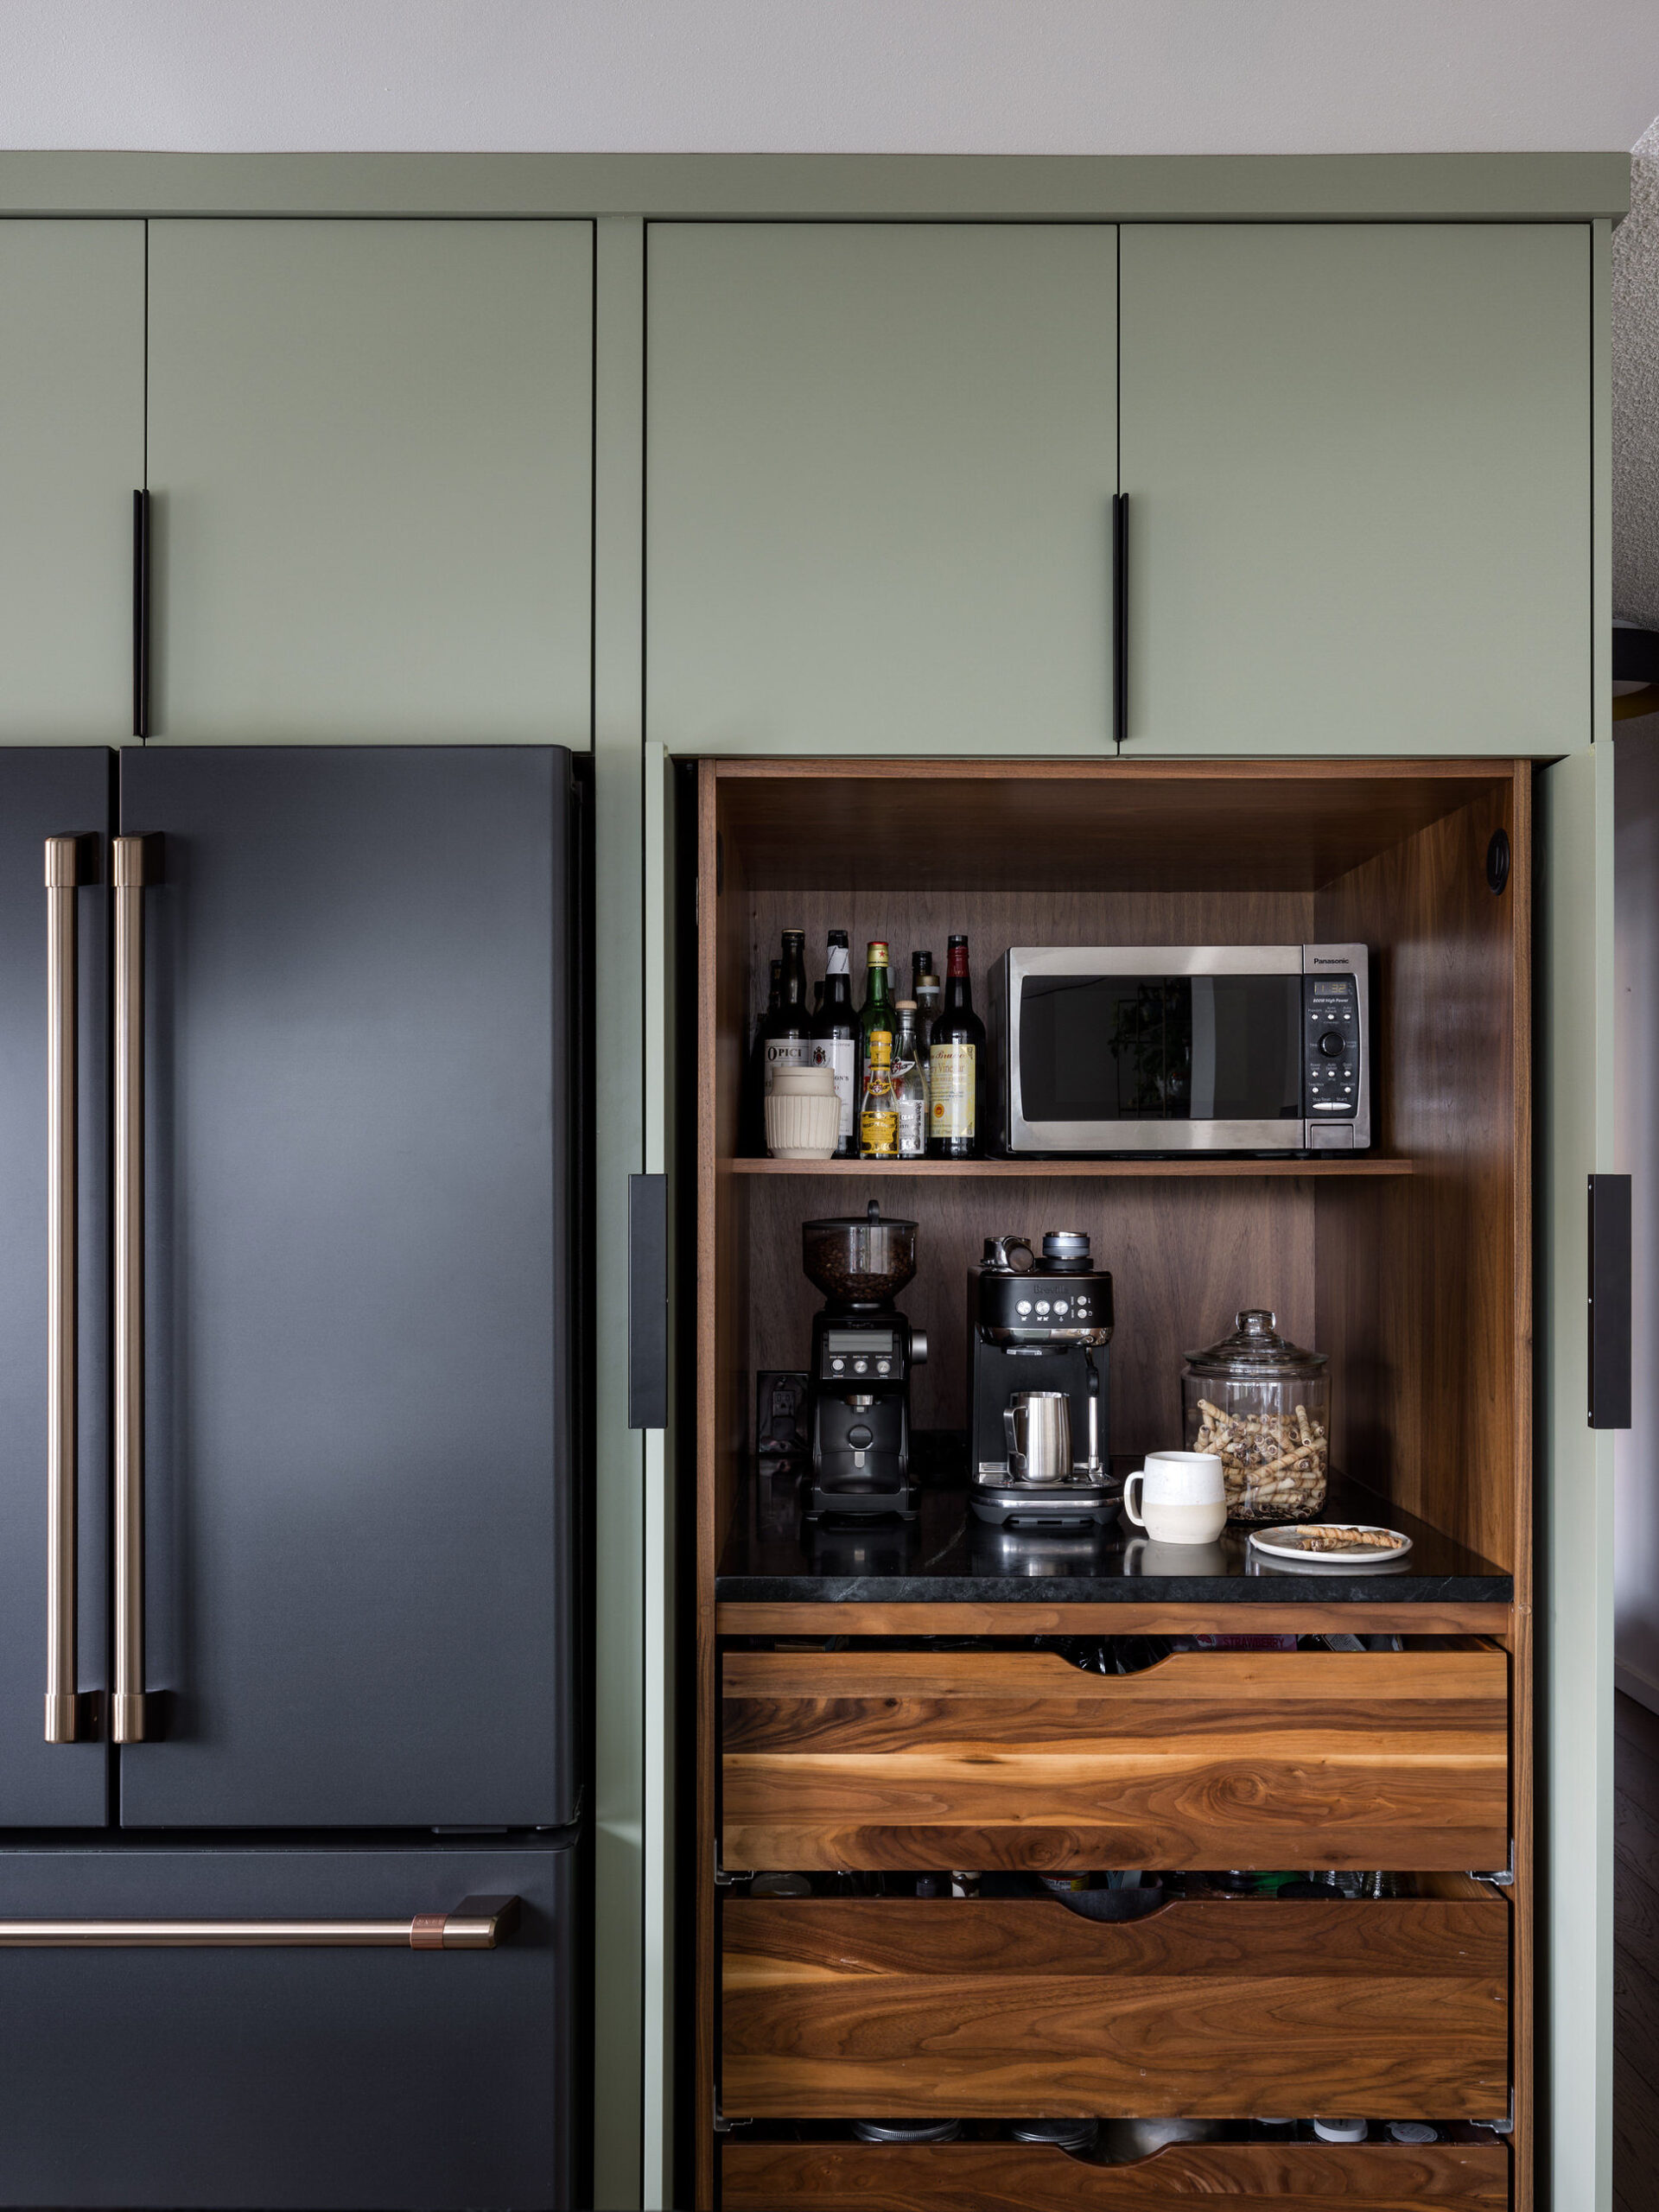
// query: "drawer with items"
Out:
[1014,1757]
[1209,2006]
[827,2176]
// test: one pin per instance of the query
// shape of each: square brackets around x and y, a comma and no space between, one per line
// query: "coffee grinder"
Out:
[863,1350]
[1039,1323]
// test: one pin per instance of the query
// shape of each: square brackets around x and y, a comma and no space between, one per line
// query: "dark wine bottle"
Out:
[752,1137]
[835,1040]
[954,1059]
[789,1039]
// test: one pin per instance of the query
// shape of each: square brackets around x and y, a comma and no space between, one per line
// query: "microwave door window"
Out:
[1160,1048]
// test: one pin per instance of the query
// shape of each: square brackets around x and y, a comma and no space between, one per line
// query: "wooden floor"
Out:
[1635,1957]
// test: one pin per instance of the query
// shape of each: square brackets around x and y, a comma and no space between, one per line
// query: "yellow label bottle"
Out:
[878,1127]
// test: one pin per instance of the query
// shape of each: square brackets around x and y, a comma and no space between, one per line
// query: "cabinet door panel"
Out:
[72,452]
[371,453]
[1357,461]
[880,463]
[50,791]
[358,1376]
[290,2079]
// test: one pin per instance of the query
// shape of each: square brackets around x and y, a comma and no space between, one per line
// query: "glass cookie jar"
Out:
[1263,1405]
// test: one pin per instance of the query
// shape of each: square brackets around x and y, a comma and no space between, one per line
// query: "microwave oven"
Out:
[1173,1049]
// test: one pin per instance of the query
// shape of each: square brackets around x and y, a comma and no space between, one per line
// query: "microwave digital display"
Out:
[1160,1048]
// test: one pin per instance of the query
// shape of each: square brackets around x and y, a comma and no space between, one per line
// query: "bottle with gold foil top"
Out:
[877,1131]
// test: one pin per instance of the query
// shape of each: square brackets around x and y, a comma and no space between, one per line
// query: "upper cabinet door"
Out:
[880,465]
[1357,459]
[370,453]
[71,454]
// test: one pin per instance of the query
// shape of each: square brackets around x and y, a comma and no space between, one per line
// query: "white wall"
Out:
[1636,1450]
[830,76]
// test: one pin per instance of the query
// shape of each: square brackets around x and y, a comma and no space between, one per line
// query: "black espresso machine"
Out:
[1039,1323]
[863,1350]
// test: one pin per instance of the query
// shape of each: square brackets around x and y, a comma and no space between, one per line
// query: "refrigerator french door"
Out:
[286,1314]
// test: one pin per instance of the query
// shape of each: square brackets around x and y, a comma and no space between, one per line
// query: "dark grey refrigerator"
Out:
[291,1390]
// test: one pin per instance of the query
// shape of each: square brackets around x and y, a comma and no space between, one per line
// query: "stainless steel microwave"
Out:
[1153,1049]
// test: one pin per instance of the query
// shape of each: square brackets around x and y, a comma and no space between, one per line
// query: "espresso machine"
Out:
[1039,1325]
[863,1350]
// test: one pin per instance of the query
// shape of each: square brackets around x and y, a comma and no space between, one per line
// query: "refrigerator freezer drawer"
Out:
[349,2076]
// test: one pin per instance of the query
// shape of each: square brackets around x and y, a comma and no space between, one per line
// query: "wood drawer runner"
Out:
[1000,1759]
[1212,2007]
[1024,2177]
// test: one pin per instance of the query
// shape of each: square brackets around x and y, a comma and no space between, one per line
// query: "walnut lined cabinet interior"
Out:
[859,1739]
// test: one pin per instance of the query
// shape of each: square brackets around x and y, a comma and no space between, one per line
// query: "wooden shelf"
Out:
[1023,1169]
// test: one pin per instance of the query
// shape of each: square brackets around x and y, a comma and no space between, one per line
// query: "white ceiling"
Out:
[918,76]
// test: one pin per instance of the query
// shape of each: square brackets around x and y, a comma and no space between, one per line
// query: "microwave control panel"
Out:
[1330,1047]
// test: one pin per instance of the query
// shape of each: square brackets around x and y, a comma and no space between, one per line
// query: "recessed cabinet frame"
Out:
[1413,1262]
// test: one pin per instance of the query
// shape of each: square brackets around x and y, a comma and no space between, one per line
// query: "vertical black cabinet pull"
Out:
[141,614]
[1120,618]
[647,1301]
[1609,1301]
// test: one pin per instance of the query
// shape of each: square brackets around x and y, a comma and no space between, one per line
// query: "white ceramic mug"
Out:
[1182,1498]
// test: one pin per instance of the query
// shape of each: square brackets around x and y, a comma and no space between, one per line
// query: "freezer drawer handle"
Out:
[66,1713]
[137,863]
[476,1924]
[1120,619]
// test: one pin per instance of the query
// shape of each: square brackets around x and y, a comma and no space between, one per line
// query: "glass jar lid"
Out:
[1256,1348]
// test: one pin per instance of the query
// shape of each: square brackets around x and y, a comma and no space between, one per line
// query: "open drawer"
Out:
[1006,1759]
[1213,2007]
[1026,2177]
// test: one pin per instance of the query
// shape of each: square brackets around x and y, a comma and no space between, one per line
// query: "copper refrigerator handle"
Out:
[476,1924]
[62,1032]
[134,868]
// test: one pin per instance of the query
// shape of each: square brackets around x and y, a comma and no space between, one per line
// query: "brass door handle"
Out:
[135,866]
[62,1071]
[476,1924]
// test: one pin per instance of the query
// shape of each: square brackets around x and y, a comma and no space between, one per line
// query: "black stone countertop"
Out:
[947,1555]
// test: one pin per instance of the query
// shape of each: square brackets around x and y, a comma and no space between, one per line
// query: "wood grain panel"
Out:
[1210,2007]
[1054,826]
[1185,1257]
[1028,2177]
[1423,1300]
[1018,1759]
[1083,1171]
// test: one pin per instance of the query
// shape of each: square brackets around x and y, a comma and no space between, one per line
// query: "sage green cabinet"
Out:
[71,454]
[1357,459]
[880,463]
[371,464]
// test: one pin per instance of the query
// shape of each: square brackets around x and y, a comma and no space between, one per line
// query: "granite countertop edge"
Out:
[1115,1589]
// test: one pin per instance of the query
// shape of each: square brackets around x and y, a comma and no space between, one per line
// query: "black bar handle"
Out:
[1120,618]
[141,614]
[647,1301]
[1609,1301]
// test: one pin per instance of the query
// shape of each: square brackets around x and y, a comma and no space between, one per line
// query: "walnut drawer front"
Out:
[1210,2007]
[1018,1759]
[1026,2177]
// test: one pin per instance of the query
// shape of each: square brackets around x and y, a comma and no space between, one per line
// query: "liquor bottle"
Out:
[928,995]
[817,998]
[910,1082]
[834,1041]
[878,1136]
[953,1065]
[752,1135]
[788,1040]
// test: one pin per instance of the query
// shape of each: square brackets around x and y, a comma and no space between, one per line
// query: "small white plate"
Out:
[1293,1543]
